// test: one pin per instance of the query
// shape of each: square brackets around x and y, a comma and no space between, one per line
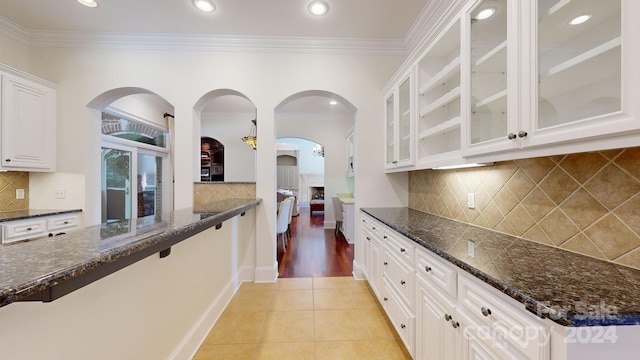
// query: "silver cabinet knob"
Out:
[511,136]
[522,134]
[485,311]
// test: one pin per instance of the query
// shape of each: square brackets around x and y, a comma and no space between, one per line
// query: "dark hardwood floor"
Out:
[313,251]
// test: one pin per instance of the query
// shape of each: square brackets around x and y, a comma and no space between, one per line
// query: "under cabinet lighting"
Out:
[333,102]
[462,166]
[580,19]
[88,3]
[204,5]
[486,13]
[318,8]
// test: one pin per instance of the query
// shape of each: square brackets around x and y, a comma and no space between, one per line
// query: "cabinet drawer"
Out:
[399,315]
[506,324]
[399,275]
[371,225]
[23,229]
[398,245]
[440,274]
[62,222]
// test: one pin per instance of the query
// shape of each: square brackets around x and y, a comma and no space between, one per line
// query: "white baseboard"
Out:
[266,274]
[246,274]
[358,271]
[198,333]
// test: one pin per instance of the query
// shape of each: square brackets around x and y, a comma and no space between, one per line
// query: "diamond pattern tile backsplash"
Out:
[9,182]
[587,203]
[204,193]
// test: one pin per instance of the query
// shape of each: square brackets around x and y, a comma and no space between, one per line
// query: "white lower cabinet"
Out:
[399,314]
[438,335]
[25,229]
[442,312]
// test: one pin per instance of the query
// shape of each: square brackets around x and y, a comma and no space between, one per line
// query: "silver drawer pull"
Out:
[402,282]
[385,263]
[65,222]
[427,268]
[485,311]
[403,326]
[385,299]
[447,317]
[402,250]
[29,229]
[455,324]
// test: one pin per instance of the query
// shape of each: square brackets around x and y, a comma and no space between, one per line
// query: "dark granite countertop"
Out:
[32,213]
[566,287]
[28,268]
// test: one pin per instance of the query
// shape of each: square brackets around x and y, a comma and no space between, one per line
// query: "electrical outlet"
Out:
[471,248]
[60,194]
[471,200]
[19,194]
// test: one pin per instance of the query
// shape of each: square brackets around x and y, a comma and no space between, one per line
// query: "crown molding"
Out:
[14,31]
[61,39]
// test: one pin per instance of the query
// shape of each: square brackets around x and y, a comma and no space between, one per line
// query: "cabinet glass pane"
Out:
[438,121]
[389,130]
[489,71]
[579,66]
[404,122]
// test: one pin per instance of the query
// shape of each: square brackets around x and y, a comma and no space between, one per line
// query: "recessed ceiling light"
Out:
[318,8]
[204,5]
[333,102]
[580,19]
[486,13]
[89,3]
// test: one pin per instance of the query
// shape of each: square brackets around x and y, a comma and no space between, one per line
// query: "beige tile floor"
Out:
[304,318]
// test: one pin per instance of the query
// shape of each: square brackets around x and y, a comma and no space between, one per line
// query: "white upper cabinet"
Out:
[439,90]
[558,88]
[491,74]
[511,79]
[399,124]
[28,122]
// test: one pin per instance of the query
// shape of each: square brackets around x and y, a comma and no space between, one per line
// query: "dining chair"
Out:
[337,210]
[293,201]
[282,221]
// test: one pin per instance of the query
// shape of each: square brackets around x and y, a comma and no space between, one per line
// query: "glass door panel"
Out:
[579,63]
[116,184]
[390,132]
[404,121]
[488,71]
[149,185]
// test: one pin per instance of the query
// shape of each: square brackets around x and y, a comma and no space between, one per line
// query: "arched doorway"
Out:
[326,120]
[134,164]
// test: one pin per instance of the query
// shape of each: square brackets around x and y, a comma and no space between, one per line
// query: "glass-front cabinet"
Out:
[439,122]
[489,72]
[561,81]
[399,125]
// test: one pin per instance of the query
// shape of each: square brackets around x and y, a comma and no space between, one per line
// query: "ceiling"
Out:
[346,19]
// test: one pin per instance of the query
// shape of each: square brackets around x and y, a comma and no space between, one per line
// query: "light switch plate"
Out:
[471,248]
[19,194]
[60,194]
[471,200]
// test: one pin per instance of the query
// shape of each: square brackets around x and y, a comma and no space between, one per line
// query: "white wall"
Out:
[229,128]
[183,77]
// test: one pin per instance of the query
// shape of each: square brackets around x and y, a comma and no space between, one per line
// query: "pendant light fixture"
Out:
[318,150]
[252,138]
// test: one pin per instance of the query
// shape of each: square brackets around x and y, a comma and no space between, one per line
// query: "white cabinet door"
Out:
[28,125]
[542,86]
[436,337]
[399,132]
[440,120]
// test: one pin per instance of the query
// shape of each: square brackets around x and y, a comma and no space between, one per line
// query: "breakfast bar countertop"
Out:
[31,268]
[568,288]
